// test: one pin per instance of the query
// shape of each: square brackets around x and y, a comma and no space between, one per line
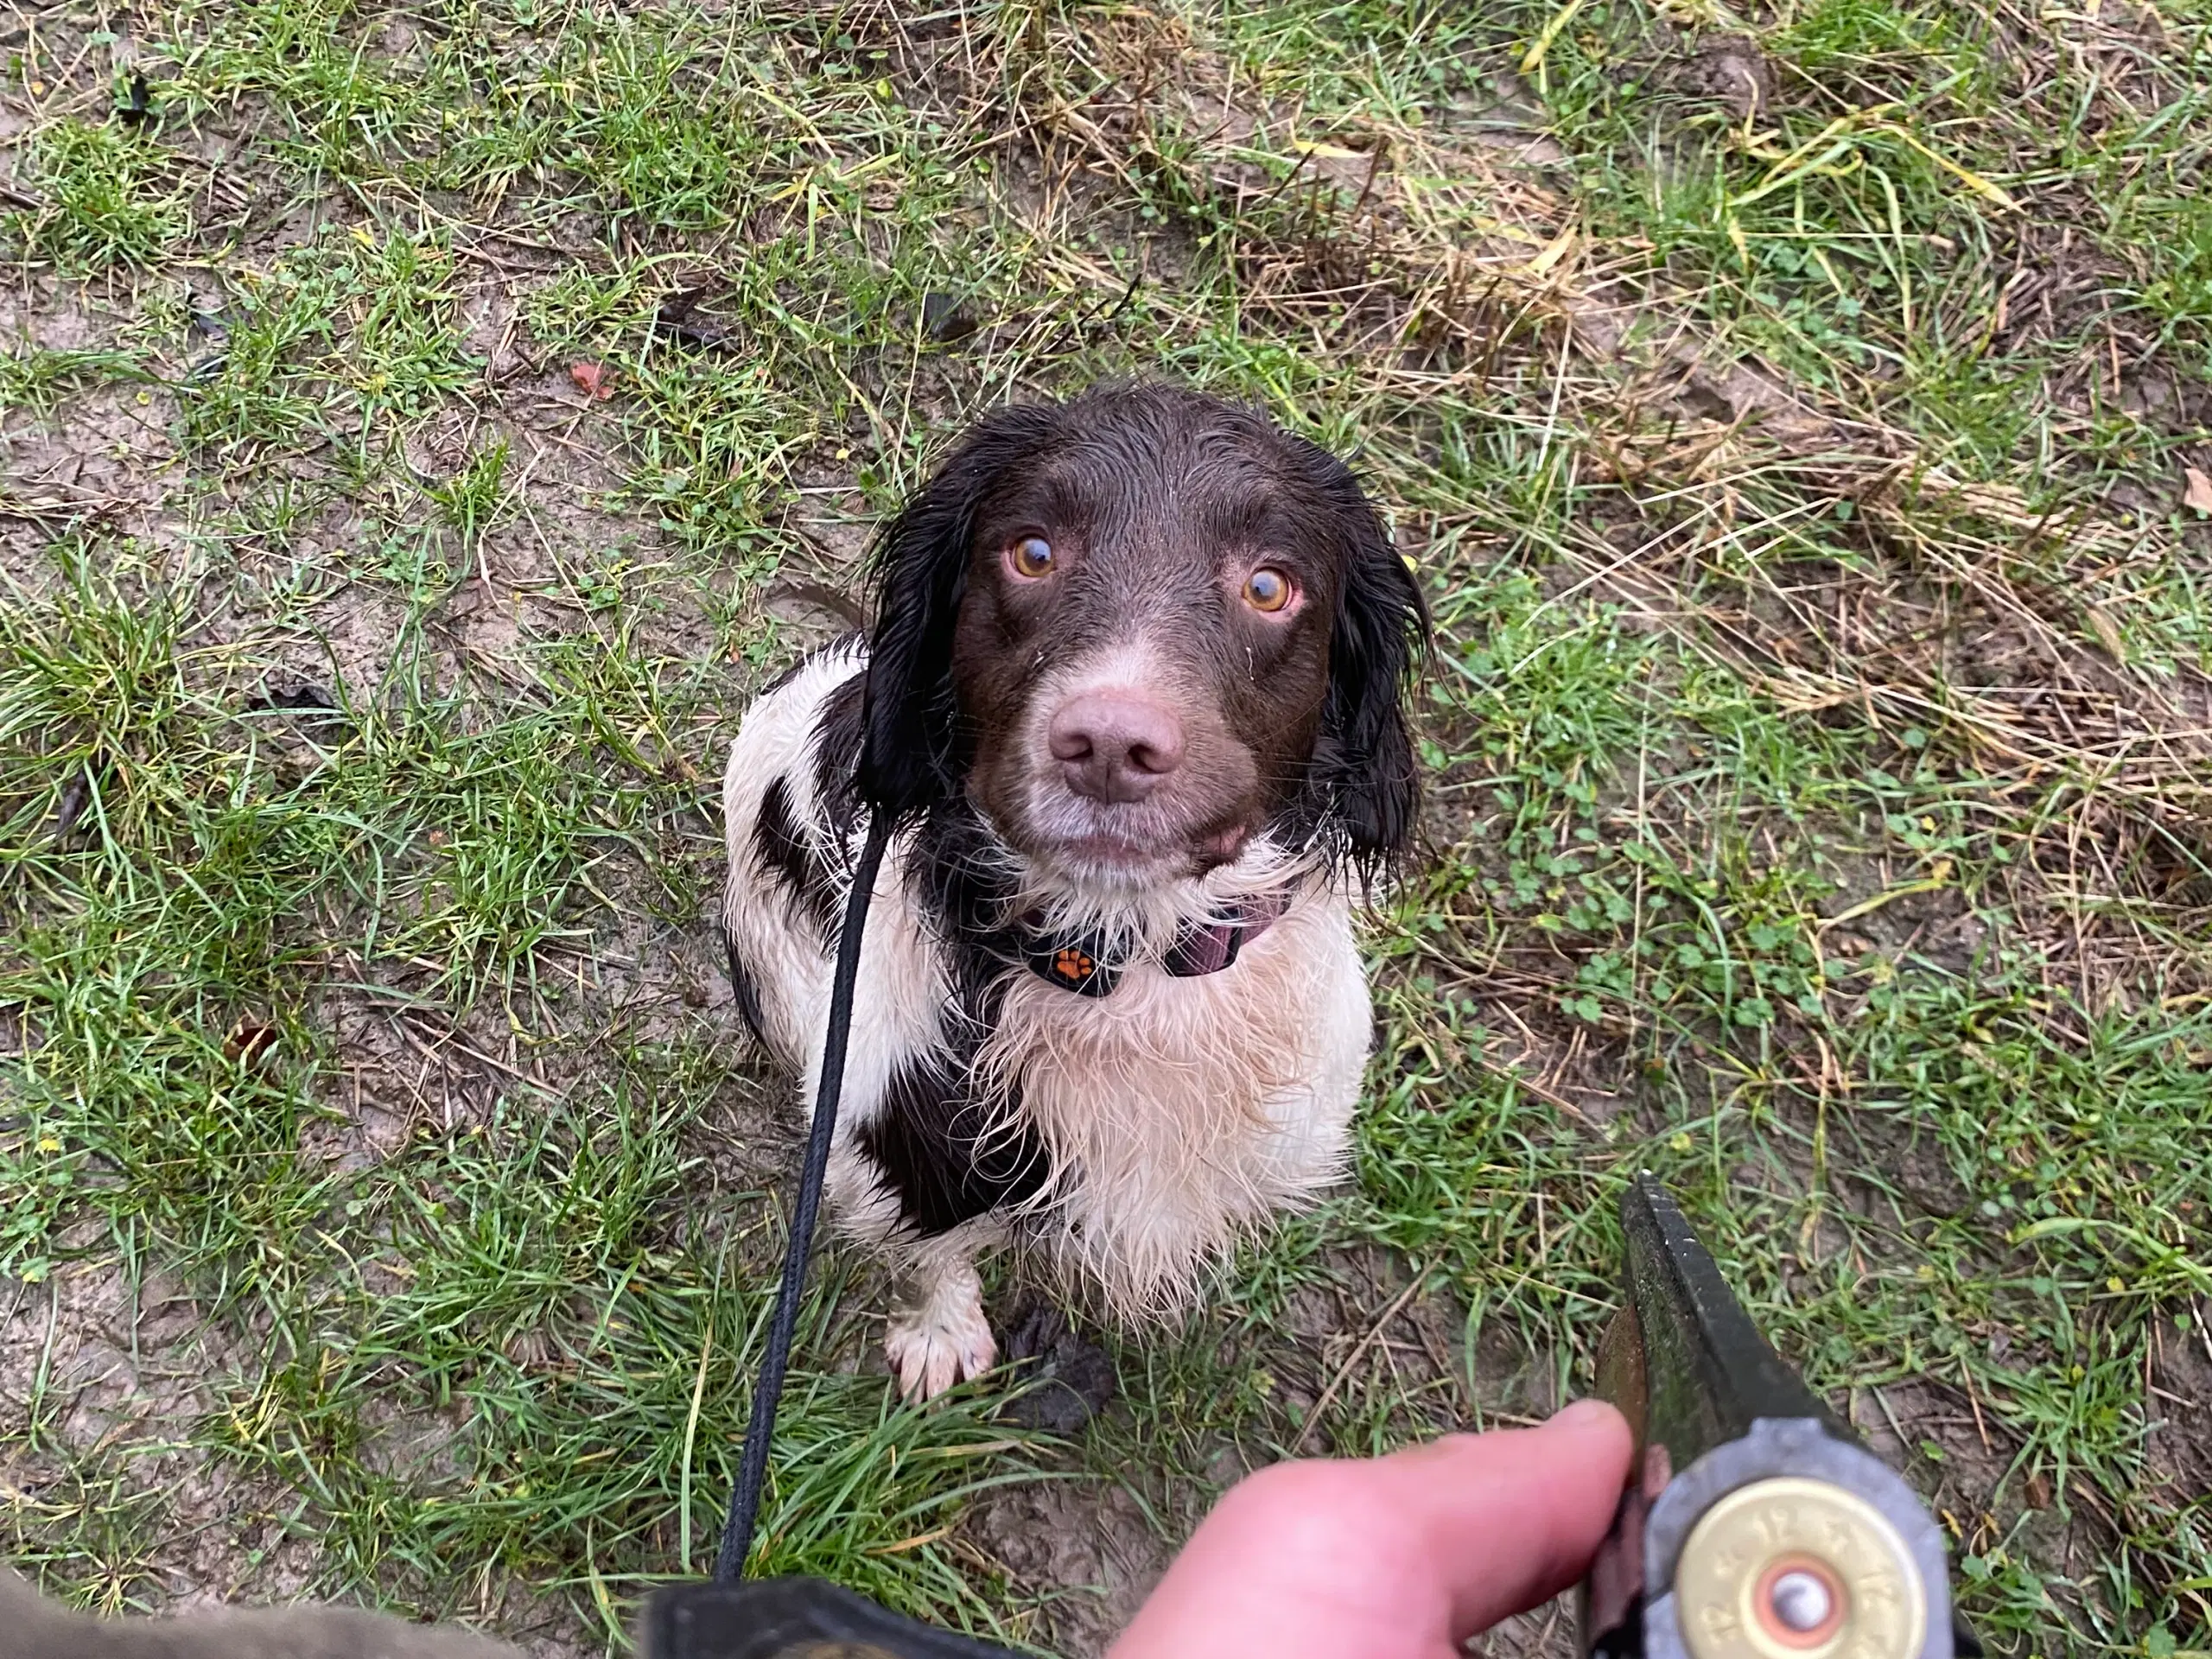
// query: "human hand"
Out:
[1401,1557]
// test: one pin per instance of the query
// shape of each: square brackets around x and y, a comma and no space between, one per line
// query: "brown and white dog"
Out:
[1135,695]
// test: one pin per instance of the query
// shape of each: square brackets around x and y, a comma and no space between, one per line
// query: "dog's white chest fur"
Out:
[1183,1111]
[1176,1113]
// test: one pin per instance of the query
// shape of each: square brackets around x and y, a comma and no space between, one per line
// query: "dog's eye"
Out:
[1267,590]
[1031,557]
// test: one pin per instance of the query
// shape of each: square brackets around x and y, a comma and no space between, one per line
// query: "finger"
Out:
[1509,1520]
[1402,1555]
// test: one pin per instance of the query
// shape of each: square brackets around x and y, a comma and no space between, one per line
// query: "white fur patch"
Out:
[1181,1112]
[902,984]
[942,1338]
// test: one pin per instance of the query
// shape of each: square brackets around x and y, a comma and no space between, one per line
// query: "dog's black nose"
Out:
[1114,746]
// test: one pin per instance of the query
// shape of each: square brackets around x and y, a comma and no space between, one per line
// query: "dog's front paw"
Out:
[944,1341]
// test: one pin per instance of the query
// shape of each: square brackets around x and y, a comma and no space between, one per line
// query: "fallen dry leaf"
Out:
[2199,493]
[2108,632]
[249,1041]
[595,379]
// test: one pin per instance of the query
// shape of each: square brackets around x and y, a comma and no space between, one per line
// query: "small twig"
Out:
[452,1041]
[1980,1428]
[1329,1394]
[1522,1079]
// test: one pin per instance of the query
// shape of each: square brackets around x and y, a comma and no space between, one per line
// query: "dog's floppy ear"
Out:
[1365,758]
[912,748]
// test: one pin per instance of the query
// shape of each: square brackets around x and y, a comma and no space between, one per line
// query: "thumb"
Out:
[1402,1555]
[1510,1519]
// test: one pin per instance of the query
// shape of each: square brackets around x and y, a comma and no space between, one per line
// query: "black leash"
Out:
[768,1391]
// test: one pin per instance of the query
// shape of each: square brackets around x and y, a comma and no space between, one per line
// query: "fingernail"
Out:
[1580,1412]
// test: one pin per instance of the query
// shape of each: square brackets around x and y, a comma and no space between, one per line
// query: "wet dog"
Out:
[1135,695]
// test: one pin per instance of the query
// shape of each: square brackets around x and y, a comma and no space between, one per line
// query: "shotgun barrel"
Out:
[1755,1525]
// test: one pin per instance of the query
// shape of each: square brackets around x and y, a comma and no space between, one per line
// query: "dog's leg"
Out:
[938,1335]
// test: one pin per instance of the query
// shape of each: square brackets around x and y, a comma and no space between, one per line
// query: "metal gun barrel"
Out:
[1757,1526]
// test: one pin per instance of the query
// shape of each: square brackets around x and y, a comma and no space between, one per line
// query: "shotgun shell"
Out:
[1792,1569]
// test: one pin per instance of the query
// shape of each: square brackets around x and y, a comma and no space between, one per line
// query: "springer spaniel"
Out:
[1135,697]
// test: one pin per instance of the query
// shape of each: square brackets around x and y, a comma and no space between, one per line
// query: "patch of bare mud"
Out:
[122,1380]
[117,1376]
[2178,1450]
[1082,1552]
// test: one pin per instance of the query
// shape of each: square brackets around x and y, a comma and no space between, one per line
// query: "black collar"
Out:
[1081,963]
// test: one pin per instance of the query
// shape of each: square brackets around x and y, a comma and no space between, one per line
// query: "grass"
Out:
[112,198]
[424,428]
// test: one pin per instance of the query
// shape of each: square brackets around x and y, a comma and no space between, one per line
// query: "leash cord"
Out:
[768,1390]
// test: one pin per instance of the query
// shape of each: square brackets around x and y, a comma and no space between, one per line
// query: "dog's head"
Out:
[1137,629]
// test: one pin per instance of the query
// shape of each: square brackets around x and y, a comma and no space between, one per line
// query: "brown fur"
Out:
[1155,531]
